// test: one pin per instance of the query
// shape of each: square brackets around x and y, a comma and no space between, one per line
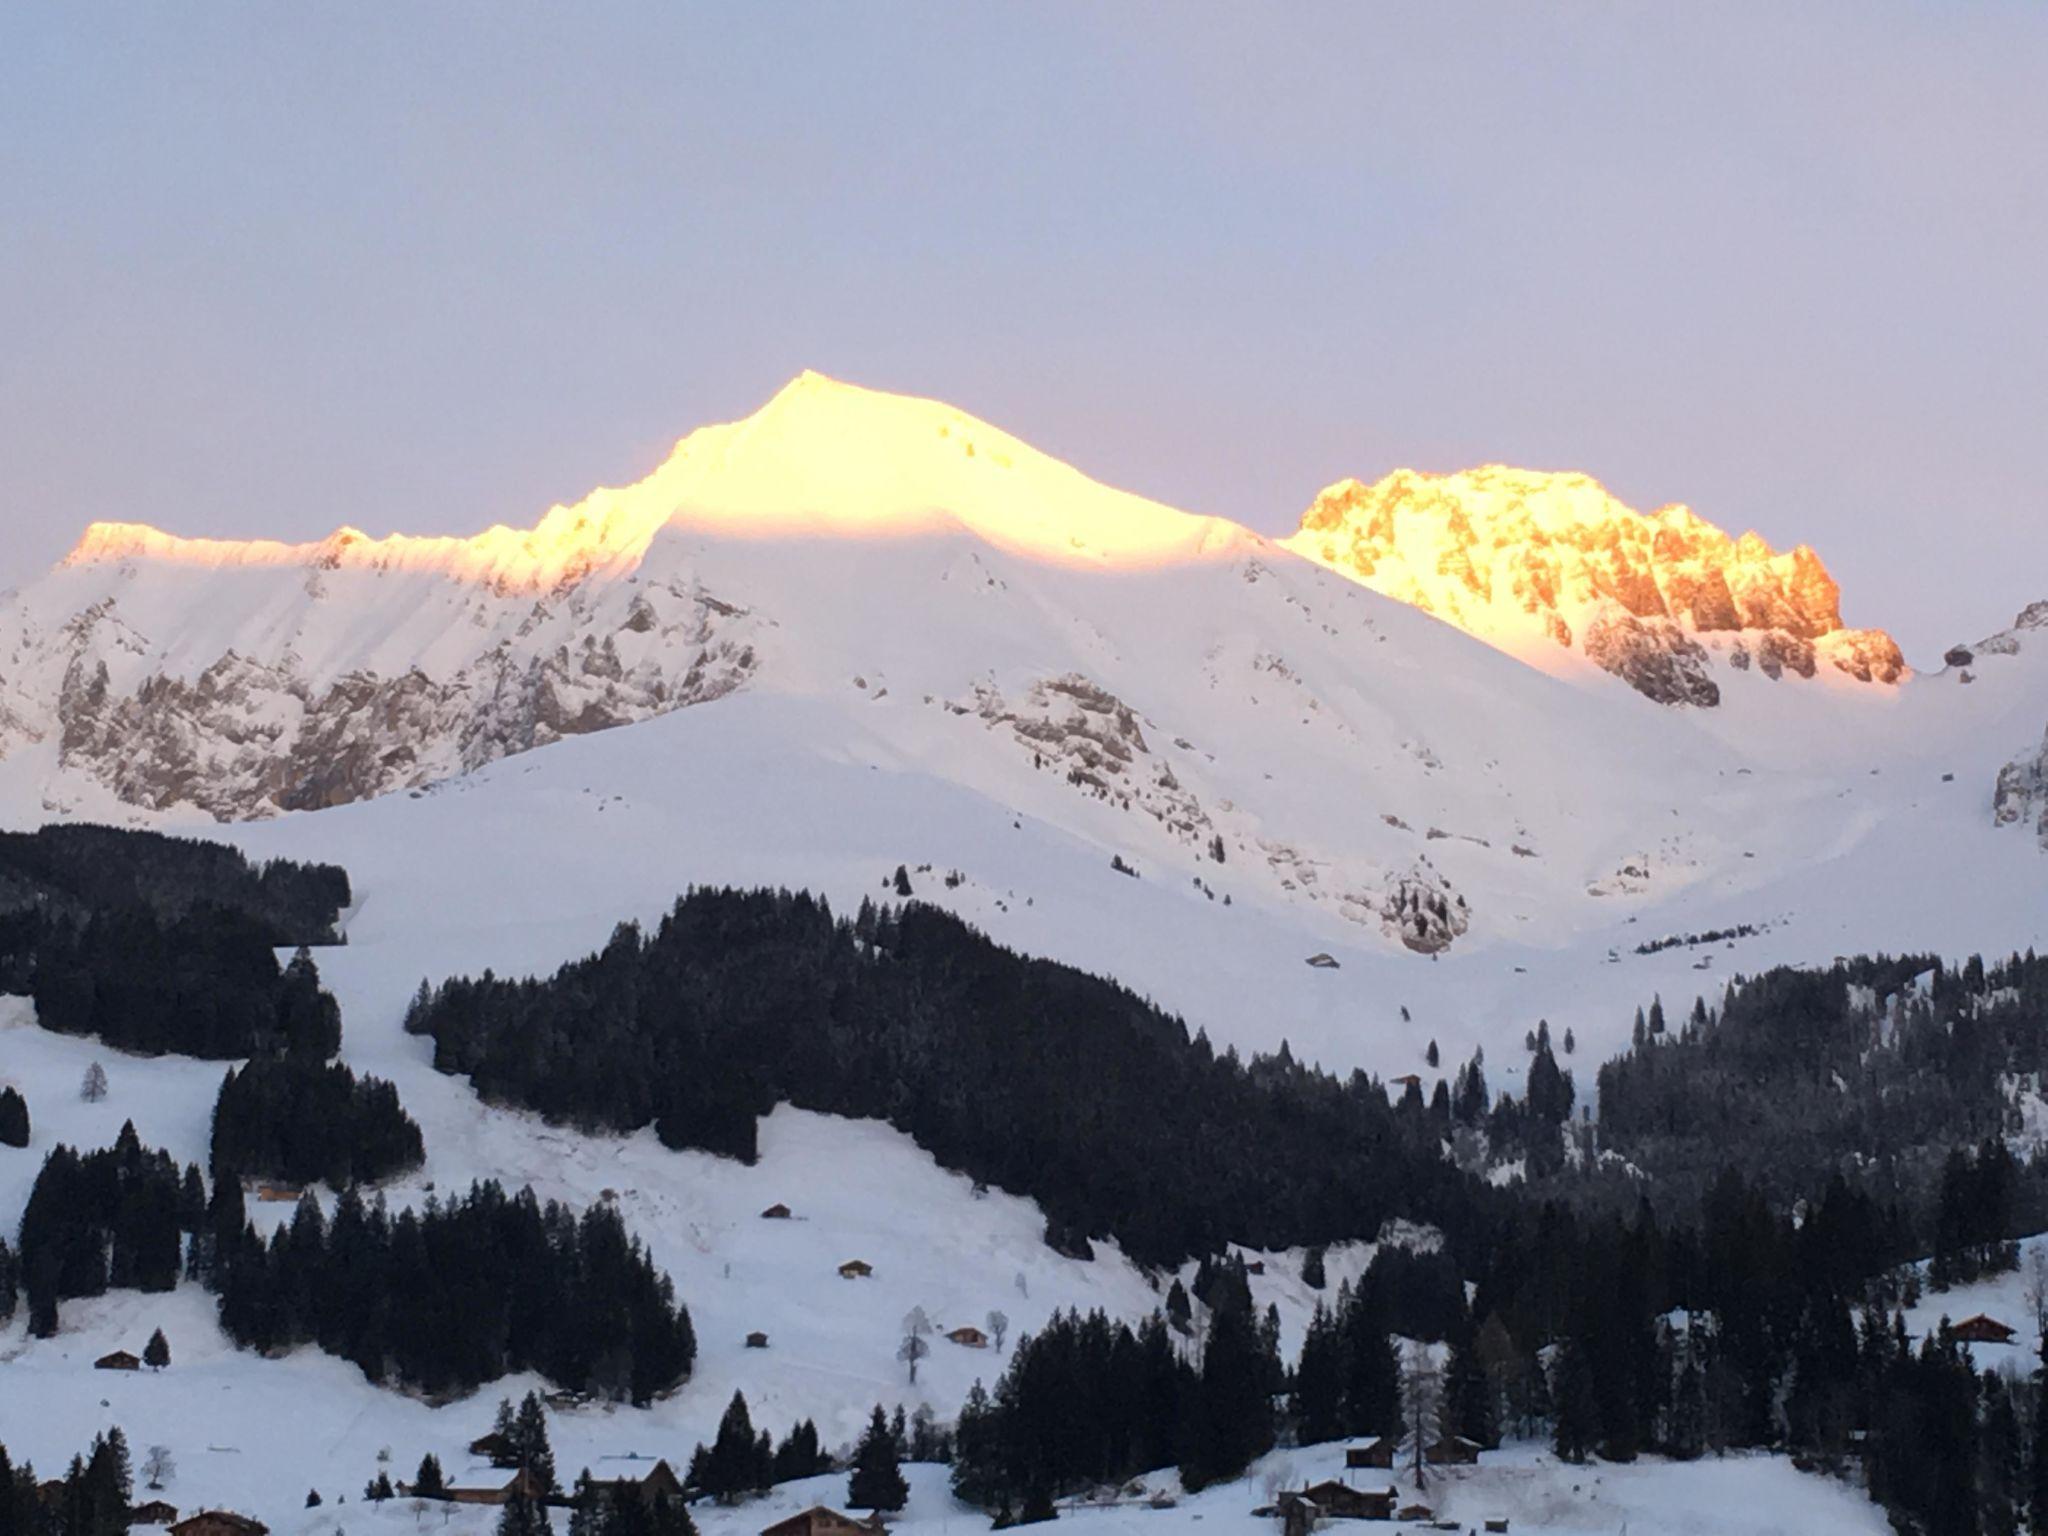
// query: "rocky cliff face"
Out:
[241,735]
[1534,562]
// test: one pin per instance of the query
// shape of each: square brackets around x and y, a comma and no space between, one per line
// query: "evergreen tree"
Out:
[13,1118]
[1312,1272]
[1319,1381]
[1578,1407]
[523,1516]
[877,1480]
[156,1354]
[530,1442]
[736,1464]
[430,1482]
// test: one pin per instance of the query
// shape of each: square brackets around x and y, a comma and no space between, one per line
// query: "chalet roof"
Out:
[208,1518]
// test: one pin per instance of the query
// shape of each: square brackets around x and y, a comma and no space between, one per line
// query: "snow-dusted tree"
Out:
[94,1086]
[157,1467]
[998,1327]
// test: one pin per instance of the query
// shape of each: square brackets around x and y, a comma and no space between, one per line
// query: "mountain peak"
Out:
[1546,565]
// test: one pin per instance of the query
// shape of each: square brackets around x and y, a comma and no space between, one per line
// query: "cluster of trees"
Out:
[1882,1066]
[204,984]
[93,1501]
[13,1118]
[442,1299]
[739,1462]
[158,943]
[457,1293]
[75,869]
[1023,1073]
[112,1219]
[303,1120]
[1088,1401]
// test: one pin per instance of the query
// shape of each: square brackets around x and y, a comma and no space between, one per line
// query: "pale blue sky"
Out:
[266,269]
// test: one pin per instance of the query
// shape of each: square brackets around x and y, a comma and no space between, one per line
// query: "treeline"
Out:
[1023,1073]
[1609,1337]
[91,1499]
[75,870]
[438,1300]
[166,944]
[1876,1067]
[306,1121]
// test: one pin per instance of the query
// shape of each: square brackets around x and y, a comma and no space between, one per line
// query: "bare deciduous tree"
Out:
[157,1466]
[94,1087]
[998,1327]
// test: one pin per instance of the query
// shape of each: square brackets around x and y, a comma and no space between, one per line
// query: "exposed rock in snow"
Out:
[2021,794]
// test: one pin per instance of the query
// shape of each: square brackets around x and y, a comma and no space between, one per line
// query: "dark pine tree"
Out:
[877,1480]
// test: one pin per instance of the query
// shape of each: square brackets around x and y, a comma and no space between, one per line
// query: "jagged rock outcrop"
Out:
[1527,560]
[2020,798]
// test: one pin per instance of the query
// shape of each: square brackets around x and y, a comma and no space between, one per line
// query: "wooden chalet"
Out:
[1416,1512]
[155,1512]
[820,1521]
[1376,1452]
[1333,1500]
[495,1448]
[1982,1330]
[219,1522]
[1454,1451]
[757,1340]
[970,1337]
[119,1360]
[277,1193]
[776,1212]
[521,1484]
[1497,1527]
[855,1269]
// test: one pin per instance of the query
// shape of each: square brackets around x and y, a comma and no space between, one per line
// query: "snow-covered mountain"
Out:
[1172,688]
[855,631]
[1541,564]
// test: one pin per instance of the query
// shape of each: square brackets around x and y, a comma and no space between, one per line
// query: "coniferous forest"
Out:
[308,1121]
[158,943]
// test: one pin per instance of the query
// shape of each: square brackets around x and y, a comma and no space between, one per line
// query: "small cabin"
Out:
[776,1212]
[820,1521]
[1255,1266]
[275,1194]
[1376,1452]
[119,1360]
[856,1269]
[1405,1081]
[1455,1451]
[1340,1501]
[757,1340]
[1981,1330]
[970,1338]
[155,1512]
[1416,1512]
[495,1448]
[1497,1527]
[1323,962]
[523,1484]
[219,1522]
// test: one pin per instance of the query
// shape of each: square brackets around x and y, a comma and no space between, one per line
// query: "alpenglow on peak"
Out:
[1549,566]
